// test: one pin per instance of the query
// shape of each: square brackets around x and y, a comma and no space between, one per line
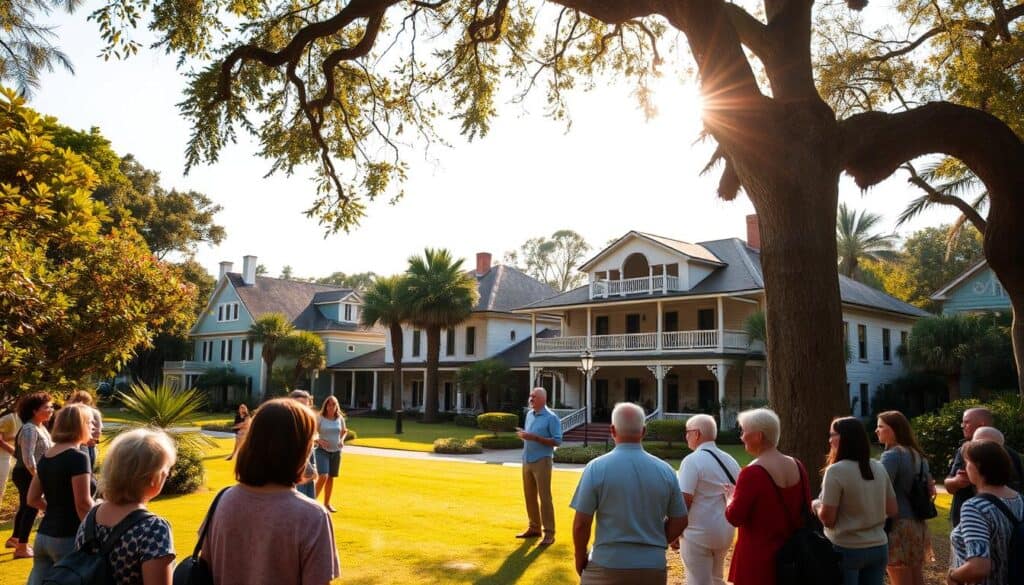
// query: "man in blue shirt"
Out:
[638,505]
[542,433]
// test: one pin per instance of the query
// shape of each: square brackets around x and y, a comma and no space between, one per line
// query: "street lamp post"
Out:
[588,369]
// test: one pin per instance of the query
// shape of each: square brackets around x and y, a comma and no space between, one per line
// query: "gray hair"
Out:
[989,434]
[628,419]
[762,420]
[542,391]
[704,423]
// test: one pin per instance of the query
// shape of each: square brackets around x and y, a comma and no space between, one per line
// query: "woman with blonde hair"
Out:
[332,431]
[291,540]
[61,490]
[910,544]
[134,471]
[84,398]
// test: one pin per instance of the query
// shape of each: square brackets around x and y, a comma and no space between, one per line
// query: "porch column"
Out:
[589,319]
[332,383]
[533,377]
[590,397]
[659,375]
[458,398]
[352,397]
[664,278]
[533,333]
[423,391]
[375,390]
[650,278]
[721,371]
[659,342]
[721,327]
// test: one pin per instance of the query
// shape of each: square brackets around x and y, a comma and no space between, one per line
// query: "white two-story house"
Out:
[664,322]
[492,331]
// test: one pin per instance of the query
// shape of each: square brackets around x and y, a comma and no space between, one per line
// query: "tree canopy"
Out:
[857,240]
[552,260]
[77,294]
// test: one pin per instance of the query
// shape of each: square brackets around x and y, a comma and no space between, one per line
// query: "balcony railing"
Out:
[697,340]
[187,365]
[631,286]
[575,419]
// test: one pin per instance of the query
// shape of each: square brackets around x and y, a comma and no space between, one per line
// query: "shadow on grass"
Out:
[514,566]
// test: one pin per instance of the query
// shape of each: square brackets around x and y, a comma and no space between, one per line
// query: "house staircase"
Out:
[594,433]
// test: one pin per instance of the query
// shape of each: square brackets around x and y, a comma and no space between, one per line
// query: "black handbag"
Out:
[807,557]
[194,570]
[920,496]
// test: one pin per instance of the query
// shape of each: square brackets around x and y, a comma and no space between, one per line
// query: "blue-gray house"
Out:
[976,290]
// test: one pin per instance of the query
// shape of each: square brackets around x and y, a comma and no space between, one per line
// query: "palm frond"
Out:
[166,408]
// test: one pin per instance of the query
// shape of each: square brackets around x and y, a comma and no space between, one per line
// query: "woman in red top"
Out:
[754,508]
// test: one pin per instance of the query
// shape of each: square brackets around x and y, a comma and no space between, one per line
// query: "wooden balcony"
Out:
[602,289]
[671,341]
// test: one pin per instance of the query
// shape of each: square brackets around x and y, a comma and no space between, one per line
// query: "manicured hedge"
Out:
[455,446]
[465,420]
[351,436]
[939,433]
[499,441]
[187,474]
[670,431]
[580,454]
[498,422]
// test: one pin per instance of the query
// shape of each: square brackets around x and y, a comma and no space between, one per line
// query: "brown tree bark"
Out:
[397,347]
[431,392]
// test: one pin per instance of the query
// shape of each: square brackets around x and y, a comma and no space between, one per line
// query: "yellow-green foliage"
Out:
[499,441]
[498,422]
[456,446]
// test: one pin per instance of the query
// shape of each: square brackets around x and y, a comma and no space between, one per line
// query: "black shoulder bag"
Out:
[732,480]
[88,564]
[920,496]
[807,557]
[194,570]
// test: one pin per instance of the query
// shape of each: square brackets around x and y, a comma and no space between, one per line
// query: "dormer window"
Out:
[348,312]
[227,312]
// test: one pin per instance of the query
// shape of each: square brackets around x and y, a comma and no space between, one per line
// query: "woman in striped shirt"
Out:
[981,541]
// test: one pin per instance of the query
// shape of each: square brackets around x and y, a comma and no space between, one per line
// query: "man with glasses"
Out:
[705,476]
[542,432]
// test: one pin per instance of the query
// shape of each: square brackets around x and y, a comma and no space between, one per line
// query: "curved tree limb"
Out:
[752,32]
[971,214]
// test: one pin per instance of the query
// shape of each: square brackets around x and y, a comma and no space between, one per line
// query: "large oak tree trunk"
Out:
[1004,250]
[397,348]
[433,356]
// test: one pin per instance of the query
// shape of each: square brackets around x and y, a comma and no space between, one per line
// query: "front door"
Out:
[706,391]
[601,411]
[633,388]
[672,394]
[449,396]
[706,319]
[633,323]
[601,325]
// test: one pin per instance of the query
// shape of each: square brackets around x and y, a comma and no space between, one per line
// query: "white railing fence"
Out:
[656,415]
[628,341]
[560,344]
[576,419]
[676,415]
[697,339]
[732,339]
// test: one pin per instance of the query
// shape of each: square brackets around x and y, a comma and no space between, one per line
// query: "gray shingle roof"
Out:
[742,273]
[516,356]
[292,298]
[504,288]
[696,251]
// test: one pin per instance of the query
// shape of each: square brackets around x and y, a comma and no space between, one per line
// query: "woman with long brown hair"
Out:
[910,545]
[332,431]
[856,498]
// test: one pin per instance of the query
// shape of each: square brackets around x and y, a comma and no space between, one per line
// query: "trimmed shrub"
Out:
[218,428]
[499,441]
[455,446]
[465,420]
[497,422]
[666,450]
[912,394]
[670,431]
[729,437]
[352,435]
[187,474]
[580,454]
[939,434]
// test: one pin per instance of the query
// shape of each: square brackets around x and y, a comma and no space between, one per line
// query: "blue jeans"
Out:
[48,550]
[864,566]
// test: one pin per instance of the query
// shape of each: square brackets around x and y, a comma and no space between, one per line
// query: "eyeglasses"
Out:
[688,431]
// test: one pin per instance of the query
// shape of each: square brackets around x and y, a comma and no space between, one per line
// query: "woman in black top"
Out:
[61,489]
[240,426]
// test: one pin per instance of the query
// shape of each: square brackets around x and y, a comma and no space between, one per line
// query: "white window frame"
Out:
[227,312]
[348,311]
[247,352]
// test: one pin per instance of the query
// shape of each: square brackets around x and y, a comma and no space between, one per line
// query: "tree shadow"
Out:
[514,566]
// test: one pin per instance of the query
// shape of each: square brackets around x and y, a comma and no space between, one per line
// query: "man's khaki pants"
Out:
[704,566]
[597,575]
[537,486]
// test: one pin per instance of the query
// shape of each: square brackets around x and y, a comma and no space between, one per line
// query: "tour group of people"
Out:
[872,512]
[289,454]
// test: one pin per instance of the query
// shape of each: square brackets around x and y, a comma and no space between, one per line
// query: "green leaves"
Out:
[166,408]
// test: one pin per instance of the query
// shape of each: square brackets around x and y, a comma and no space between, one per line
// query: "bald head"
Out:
[974,418]
[627,423]
[538,398]
[990,434]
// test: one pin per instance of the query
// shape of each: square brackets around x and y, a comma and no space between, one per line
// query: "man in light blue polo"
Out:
[542,433]
[638,505]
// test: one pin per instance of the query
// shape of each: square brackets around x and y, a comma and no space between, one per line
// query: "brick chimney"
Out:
[483,263]
[249,270]
[753,232]
[225,267]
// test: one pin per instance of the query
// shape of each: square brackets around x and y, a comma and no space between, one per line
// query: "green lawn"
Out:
[380,432]
[207,418]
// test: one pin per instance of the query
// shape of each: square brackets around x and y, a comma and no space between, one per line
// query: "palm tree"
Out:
[943,344]
[269,330]
[855,240]
[28,44]
[308,350]
[166,408]
[484,376]
[440,296]
[957,183]
[383,305]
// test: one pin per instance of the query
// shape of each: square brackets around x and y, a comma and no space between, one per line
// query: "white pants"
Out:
[6,463]
[704,565]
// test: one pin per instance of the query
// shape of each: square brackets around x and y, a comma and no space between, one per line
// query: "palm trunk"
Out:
[433,356]
[396,371]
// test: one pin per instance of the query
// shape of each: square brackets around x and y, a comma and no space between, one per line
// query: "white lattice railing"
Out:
[676,415]
[576,419]
[735,339]
[630,286]
[625,342]
[697,339]
[561,344]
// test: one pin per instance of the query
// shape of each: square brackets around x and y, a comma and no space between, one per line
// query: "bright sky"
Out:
[611,173]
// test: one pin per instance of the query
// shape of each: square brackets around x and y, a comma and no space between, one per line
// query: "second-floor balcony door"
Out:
[706,319]
[672,321]
[601,325]
[633,323]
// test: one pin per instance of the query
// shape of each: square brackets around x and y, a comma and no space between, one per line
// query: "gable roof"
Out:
[943,293]
[503,288]
[740,272]
[294,299]
[694,251]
